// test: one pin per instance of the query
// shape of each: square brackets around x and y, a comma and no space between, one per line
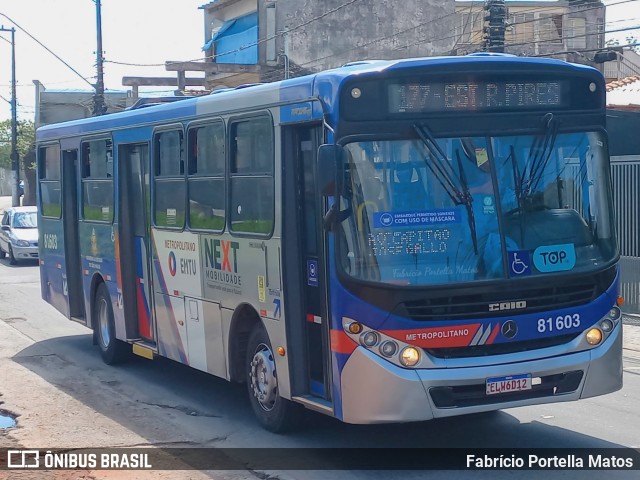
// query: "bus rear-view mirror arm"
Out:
[330,162]
[329,158]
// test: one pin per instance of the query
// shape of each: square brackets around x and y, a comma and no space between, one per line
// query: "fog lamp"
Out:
[409,356]
[606,325]
[355,328]
[388,348]
[594,336]
[369,339]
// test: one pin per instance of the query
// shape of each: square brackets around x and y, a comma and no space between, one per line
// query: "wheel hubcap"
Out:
[103,323]
[262,375]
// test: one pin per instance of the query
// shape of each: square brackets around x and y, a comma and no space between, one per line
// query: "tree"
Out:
[629,40]
[26,153]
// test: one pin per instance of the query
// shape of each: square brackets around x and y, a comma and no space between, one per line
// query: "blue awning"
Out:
[237,36]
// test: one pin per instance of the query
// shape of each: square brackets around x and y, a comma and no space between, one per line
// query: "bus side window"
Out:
[206,180]
[169,184]
[97,181]
[251,171]
[49,172]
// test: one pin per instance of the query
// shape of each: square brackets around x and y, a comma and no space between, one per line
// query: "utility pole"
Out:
[495,25]
[15,164]
[99,108]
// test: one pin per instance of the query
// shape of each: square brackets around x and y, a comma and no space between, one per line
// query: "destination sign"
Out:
[474,96]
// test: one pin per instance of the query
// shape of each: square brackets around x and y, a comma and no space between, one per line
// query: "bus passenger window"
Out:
[206,181]
[50,186]
[251,164]
[97,181]
[169,184]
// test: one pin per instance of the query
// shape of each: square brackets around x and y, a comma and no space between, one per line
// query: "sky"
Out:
[133,31]
[141,32]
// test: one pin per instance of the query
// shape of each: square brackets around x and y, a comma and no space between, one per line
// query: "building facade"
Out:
[247,41]
[564,29]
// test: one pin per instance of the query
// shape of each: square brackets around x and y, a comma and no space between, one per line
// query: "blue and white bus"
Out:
[388,241]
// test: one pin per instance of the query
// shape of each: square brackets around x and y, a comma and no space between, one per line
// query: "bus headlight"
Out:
[383,345]
[369,339]
[606,325]
[594,336]
[614,313]
[409,356]
[388,348]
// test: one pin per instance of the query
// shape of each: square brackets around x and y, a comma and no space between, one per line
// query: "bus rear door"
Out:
[133,242]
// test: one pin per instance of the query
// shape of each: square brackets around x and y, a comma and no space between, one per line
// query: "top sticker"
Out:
[555,258]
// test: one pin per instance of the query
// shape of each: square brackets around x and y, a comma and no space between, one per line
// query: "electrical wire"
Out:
[46,48]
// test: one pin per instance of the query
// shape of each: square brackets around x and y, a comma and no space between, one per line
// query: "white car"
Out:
[19,234]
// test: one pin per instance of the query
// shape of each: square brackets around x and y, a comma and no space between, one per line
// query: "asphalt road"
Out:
[53,379]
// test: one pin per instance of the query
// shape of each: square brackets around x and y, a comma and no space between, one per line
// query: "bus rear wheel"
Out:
[112,350]
[274,413]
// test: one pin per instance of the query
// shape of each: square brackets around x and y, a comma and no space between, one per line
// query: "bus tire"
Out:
[113,351]
[275,413]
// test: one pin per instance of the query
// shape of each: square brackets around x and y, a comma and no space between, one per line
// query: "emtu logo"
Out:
[172,264]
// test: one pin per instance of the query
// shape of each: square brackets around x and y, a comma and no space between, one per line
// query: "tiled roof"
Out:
[623,82]
[624,92]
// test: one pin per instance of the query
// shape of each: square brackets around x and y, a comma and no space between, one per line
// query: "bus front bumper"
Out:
[377,391]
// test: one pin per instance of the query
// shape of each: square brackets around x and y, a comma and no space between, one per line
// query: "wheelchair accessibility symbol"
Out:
[519,263]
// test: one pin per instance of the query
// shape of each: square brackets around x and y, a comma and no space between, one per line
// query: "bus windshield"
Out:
[431,210]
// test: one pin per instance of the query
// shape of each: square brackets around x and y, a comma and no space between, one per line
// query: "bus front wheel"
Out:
[112,350]
[274,413]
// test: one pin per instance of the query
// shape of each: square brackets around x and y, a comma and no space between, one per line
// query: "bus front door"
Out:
[133,242]
[310,323]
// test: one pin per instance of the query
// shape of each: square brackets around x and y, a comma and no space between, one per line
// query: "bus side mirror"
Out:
[329,160]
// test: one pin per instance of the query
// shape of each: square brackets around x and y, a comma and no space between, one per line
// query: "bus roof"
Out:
[322,84]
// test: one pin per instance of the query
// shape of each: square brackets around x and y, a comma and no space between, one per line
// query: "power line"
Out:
[46,48]
[584,50]
[532,10]
[244,47]
[570,37]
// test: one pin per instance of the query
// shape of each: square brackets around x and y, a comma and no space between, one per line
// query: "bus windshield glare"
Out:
[445,210]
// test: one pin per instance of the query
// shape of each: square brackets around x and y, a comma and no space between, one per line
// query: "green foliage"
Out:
[25,144]
[629,40]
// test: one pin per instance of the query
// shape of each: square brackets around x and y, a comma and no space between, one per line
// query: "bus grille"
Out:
[477,305]
[500,348]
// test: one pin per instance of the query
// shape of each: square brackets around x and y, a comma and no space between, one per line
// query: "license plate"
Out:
[513,383]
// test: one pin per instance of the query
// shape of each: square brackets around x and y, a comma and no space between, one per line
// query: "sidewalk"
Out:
[631,335]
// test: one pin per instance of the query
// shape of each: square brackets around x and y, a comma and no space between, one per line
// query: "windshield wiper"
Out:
[537,161]
[446,176]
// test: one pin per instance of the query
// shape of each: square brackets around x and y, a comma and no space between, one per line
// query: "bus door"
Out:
[133,241]
[72,284]
[301,145]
